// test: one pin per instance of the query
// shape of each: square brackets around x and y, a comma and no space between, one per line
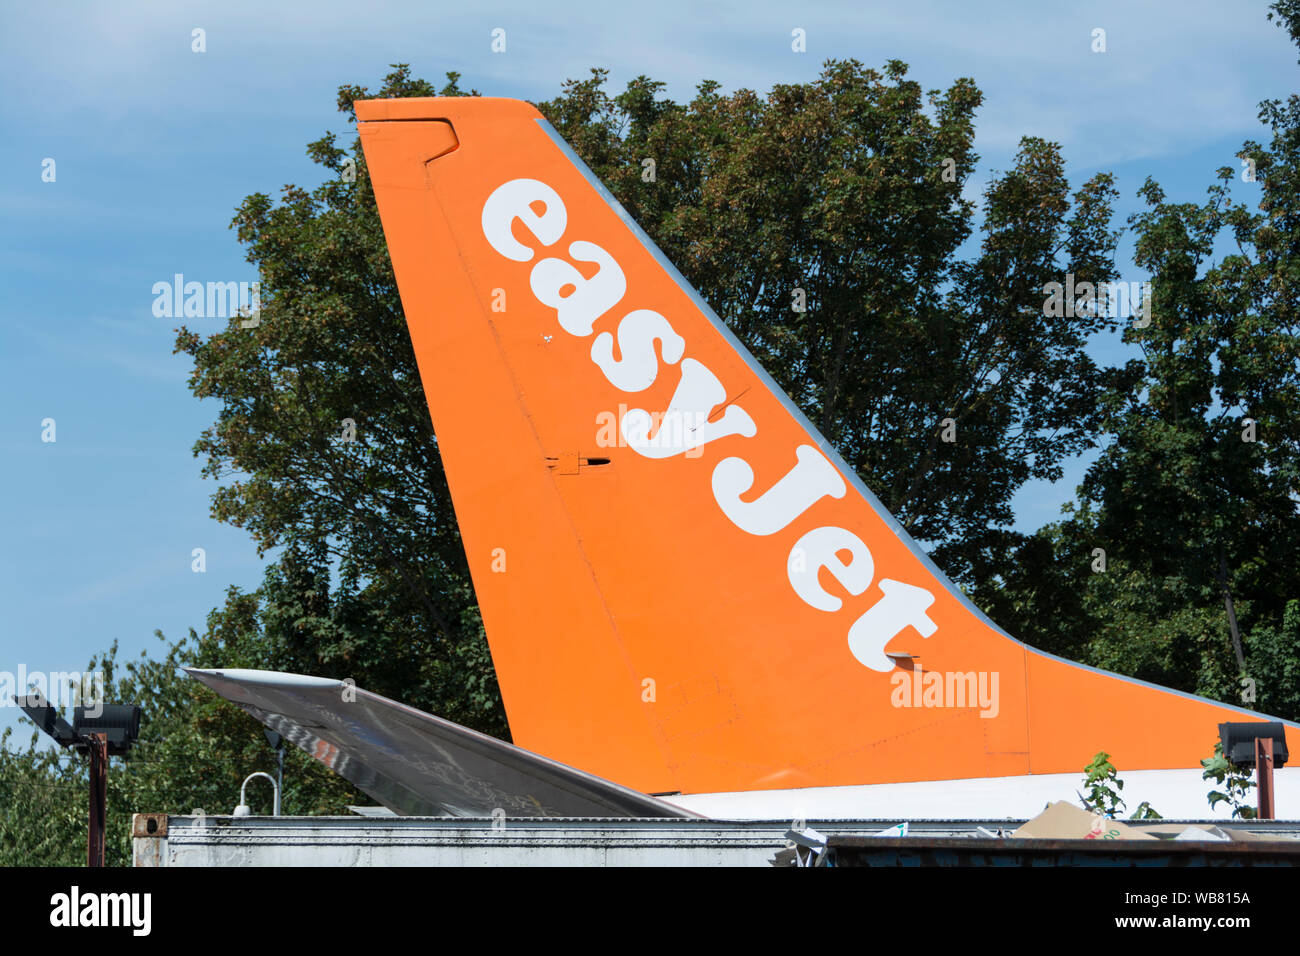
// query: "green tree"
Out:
[326,451]
[1104,786]
[1193,499]
[1235,781]
[1103,783]
[43,806]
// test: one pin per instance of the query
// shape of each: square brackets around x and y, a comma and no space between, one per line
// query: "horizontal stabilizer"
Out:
[418,764]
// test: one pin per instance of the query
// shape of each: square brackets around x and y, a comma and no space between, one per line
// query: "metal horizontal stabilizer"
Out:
[418,764]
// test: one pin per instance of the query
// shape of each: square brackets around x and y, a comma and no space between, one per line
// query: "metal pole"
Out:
[98,749]
[1264,776]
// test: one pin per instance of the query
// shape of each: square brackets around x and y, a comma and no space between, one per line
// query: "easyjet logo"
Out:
[689,424]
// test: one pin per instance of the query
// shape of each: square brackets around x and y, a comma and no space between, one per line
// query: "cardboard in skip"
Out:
[1065,821]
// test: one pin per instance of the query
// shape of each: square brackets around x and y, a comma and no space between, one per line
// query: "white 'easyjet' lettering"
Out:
[686,426]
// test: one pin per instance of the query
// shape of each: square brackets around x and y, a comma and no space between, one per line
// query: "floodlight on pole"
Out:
[106,730]
[1260,745]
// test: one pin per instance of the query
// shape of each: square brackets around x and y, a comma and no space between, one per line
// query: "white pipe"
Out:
[243,806]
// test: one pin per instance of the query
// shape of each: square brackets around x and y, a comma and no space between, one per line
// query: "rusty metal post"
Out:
[97,747]
[1264,776]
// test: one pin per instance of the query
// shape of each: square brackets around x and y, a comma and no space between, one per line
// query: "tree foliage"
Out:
[1193,498]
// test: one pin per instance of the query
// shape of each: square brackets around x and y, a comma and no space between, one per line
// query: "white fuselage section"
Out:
[1175,794]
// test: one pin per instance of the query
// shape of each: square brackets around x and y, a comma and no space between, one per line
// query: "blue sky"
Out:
[155,145]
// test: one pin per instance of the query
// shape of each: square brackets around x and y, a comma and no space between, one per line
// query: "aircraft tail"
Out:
[684,587]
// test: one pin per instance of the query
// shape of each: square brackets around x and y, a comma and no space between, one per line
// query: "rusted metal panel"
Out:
[149,839]
[149,825]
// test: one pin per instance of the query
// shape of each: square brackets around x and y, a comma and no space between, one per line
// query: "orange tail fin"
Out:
[684,587]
